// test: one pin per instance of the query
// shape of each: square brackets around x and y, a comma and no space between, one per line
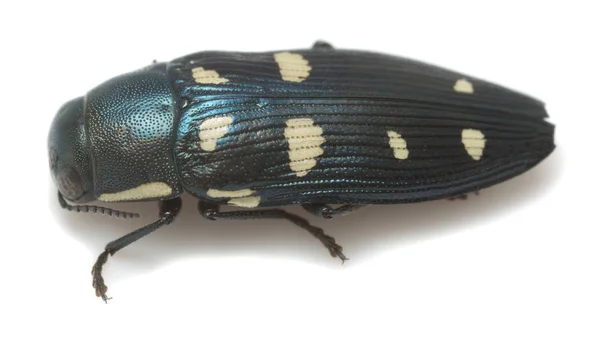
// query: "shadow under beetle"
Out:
[316,127]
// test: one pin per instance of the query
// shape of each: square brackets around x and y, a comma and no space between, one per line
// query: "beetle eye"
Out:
[69,183]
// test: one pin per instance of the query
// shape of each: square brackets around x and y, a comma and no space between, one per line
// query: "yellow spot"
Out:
[292,66]
[214,193]
[304,140]
[474,142]
[142,192]
[204,76]
[211,130]
[248,202]
[241,198]
[463,86]
[398,145]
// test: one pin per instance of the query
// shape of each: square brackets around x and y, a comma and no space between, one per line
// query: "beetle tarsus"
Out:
[211,211]
[328,241]
[98,281]
[334,249]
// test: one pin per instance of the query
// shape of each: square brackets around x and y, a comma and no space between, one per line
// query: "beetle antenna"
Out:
[95,209]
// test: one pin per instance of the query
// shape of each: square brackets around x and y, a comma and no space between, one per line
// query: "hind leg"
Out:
[323,45]
[463,196]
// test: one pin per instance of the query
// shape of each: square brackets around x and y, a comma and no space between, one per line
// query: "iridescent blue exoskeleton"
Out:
[315,127]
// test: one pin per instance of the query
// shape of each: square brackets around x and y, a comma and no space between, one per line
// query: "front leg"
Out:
[211,211]
[168,210]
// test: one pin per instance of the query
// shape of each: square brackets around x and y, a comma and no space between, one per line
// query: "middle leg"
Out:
[328,212]
[211,211]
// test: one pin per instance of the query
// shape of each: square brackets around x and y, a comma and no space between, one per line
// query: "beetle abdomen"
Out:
[283,128]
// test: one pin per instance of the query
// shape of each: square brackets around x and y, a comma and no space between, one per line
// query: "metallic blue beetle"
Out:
[314,127]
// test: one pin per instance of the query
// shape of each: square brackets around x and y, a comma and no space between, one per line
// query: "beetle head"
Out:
[69,157]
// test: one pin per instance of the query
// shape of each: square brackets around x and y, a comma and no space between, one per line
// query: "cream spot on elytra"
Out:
[204,76]
[398,145]
[241,198]
[248,202]
[211,130]
[463,86]
[142,192]
[292,66]
[304,139]
[215,193]
[474,142]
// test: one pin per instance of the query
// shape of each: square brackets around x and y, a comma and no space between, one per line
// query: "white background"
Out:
[521,260]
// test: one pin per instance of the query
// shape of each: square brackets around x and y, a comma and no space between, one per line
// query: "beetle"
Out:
[317,127]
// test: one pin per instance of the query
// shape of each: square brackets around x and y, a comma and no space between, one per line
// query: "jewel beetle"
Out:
[329,129]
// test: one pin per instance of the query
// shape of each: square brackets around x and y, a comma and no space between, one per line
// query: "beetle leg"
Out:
[328,212]
[462,196]
[167,212]
[211,211]
[323,45]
